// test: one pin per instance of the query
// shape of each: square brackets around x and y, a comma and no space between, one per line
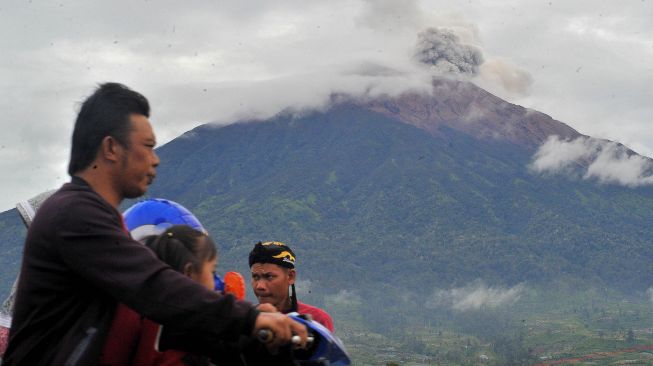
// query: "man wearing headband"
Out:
[273,271]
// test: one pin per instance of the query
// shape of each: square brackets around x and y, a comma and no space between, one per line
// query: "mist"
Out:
[606,162]
[475,296]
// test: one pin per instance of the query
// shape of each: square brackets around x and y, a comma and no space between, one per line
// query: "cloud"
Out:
[650,293]
[605,161]
[475,296]
[442,51]
[390,15]
[209,62]
[346,298]
[501,73]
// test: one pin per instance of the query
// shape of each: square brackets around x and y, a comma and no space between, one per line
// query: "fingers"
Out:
[299,330]
[267,308]
[283,328]
[282,333]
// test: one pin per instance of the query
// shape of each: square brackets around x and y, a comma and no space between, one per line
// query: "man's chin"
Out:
[135,193]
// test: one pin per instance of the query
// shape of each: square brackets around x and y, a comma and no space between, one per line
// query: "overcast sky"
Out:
[586,63]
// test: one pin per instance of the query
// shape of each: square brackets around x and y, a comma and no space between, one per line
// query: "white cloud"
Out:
[201,61]
[605,161]
[475,296]
[345,298]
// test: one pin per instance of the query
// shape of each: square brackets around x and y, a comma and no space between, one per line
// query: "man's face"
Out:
[138,166]
[270,283]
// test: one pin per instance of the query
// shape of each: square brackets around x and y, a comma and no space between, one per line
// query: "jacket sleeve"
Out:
[92,243]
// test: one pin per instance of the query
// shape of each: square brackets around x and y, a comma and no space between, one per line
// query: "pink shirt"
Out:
[318,314]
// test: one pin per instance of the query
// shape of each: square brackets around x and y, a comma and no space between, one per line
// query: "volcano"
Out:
[407,192]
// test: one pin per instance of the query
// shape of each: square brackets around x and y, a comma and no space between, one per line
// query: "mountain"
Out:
[12,234]
[411,193]
[418,189]
[466,108]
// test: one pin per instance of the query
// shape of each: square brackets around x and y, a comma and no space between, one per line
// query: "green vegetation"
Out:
[386,218]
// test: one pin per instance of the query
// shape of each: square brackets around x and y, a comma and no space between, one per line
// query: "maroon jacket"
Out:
[79,263]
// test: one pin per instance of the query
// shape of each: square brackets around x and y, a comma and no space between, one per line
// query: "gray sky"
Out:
[586,63]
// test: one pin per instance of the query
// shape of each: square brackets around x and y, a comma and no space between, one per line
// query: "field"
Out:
[586,328]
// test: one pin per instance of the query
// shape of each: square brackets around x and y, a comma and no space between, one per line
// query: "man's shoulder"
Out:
[301,306]
[71,205]
[318,314]
[69,196]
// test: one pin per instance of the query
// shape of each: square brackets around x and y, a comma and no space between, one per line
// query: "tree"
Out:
[630,336]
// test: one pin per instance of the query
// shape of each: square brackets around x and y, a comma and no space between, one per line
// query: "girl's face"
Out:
[205,275]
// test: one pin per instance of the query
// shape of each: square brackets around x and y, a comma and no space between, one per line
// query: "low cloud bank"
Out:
[605,161]
[475,296]
[346,298]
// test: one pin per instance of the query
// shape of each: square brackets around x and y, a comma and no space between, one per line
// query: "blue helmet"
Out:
[153,216]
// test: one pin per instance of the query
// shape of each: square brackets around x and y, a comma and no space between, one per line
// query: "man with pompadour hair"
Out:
[273,280]
[79,260]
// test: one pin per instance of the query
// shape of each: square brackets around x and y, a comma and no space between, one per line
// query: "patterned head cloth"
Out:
[278,253]
[274,252]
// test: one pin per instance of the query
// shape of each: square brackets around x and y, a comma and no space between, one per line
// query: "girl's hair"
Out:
[180,245]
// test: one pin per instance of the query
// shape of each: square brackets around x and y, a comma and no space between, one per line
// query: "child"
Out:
[187,251]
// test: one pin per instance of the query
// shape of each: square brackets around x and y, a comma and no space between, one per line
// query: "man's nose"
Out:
[156,161]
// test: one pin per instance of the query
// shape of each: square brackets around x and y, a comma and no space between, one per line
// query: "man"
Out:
[79,262]
[273,271]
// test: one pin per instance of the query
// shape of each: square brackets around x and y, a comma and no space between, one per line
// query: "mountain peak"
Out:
[465,107]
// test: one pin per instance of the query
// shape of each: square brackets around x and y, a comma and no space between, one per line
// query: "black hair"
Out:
[104,113]
[180,245]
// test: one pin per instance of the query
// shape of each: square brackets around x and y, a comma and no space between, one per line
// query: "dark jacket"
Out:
[79,263]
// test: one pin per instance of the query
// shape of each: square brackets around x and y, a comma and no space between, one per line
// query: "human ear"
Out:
[291,276]
[188,270]
[110,149]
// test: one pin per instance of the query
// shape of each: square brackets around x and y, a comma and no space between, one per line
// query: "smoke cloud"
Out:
[443,52]
[475,296]
[605,161]
[502,73]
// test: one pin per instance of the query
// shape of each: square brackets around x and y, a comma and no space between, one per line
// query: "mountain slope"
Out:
[413,193]
[464,107]
[362,195]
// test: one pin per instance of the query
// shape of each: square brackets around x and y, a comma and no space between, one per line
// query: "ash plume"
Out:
[501,73]
[442,51]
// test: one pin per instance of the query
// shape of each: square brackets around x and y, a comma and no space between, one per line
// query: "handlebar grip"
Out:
[266,336]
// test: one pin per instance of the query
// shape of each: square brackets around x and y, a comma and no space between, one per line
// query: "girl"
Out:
[132,338]
[192,253]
